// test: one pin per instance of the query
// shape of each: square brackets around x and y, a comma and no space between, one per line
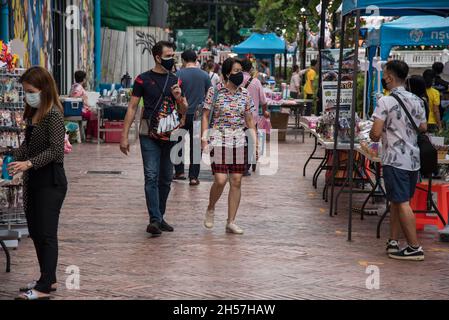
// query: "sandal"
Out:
[31,295]
[194,182]
[180,176]
[32,285]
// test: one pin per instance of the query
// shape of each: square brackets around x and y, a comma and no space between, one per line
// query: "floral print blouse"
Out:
[229,112]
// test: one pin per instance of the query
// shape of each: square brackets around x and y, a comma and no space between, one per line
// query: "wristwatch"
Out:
[29,164]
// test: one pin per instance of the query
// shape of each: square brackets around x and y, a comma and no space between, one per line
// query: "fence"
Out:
[128,51]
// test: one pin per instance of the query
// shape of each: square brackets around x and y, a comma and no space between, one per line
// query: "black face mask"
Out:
[236,78]
[168,63]
[384,84]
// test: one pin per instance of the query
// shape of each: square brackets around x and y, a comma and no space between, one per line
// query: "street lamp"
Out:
[303,29]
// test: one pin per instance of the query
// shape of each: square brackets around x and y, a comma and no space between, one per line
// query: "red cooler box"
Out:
[115,136]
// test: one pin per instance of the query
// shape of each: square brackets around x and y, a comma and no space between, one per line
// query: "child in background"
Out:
[78,91]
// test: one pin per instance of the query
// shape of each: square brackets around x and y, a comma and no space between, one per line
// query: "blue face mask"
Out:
[33,99]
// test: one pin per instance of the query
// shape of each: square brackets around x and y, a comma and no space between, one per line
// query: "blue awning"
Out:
[267,44]
[396,7]
[414,31]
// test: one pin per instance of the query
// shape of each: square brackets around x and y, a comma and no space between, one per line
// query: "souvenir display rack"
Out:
[12,134]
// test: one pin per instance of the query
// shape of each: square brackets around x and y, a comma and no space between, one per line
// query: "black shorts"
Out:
[400,184]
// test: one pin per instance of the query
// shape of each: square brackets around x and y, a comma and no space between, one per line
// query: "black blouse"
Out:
[45,142]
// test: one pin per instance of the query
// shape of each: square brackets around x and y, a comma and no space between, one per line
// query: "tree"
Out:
[183,15]
[275,15]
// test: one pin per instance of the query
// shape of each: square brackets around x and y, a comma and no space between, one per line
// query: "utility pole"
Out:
[216,22]
[321,46]
[304,44]
[209,16]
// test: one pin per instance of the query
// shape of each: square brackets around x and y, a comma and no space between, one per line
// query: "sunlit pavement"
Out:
[291,248]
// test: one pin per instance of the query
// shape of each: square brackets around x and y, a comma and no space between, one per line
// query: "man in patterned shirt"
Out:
[400,156]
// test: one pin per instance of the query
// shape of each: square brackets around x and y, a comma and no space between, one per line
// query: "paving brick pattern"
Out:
[291,248]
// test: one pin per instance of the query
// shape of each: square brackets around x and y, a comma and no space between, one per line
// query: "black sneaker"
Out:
[166,227]
[155,229]
[179,176]
[408,253]
[393,246]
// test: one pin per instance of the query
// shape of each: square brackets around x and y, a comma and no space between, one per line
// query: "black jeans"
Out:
[309,105]
[44,202]
[194,168]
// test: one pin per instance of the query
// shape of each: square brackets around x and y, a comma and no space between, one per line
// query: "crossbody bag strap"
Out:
[249,82]
[159,100]
[212,107]
[401,103]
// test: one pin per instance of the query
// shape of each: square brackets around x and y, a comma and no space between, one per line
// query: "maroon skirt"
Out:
[229,160]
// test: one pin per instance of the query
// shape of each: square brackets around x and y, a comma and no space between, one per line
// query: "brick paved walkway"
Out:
[291,249]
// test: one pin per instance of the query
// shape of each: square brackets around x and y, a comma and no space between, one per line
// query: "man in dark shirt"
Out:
[163,104]
[439,83]
[195,83]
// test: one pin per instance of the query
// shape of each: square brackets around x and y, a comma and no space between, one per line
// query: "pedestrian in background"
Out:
[433,98]
[78,90]
[309,87]
[257,94]
[295,82]
[41,159]
[194,83]
[439,83]
[213,76]
[416,85]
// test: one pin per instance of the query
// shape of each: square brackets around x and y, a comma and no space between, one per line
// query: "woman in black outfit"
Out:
[41,159]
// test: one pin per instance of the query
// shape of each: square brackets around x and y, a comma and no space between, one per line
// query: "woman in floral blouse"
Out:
[231,108]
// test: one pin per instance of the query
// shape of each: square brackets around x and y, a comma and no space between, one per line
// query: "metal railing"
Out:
[414,58]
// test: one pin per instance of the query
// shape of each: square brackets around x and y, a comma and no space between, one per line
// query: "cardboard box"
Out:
[279,121]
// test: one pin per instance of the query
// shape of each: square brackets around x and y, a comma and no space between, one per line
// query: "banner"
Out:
[194,39]
[329,65]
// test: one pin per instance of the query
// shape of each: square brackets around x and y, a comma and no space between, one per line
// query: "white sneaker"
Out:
[209,219]
[233,228]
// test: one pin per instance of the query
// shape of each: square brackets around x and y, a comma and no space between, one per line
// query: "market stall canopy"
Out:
[118,15]
[412,31]
[261,44]
[396,7]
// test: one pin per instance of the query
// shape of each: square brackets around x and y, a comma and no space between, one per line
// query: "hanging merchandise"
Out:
[12,134]
[8,60]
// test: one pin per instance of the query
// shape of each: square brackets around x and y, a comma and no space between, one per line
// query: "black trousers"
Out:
[309,106]
[44,202]
[195,143]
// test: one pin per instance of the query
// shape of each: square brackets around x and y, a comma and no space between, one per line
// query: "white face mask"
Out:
[33,99]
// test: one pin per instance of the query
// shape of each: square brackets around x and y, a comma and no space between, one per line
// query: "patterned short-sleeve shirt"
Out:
[399,138]
[230,110]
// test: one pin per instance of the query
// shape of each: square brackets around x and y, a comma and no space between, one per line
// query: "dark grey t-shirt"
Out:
[194,84]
